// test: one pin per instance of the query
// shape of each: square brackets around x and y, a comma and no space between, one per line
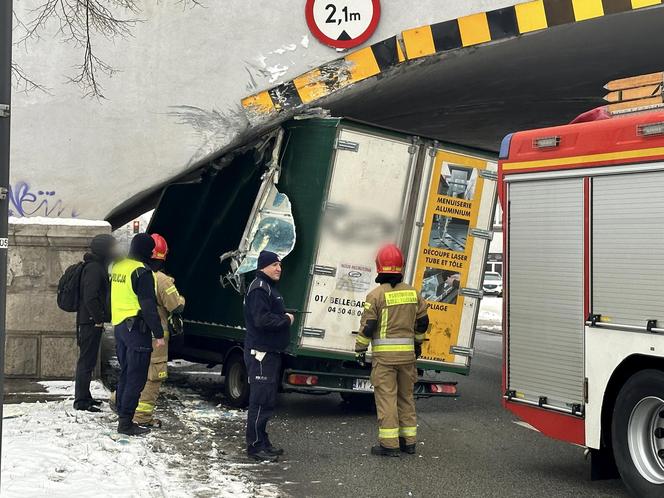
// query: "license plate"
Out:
[363,385]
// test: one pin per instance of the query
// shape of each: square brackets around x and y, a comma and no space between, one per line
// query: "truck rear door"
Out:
[439,204]
[365,206]
[452,231]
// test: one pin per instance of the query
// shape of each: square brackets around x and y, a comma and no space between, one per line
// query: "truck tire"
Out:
[637,430]
[236,385]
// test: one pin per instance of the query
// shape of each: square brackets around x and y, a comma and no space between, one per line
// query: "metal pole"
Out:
[5,102]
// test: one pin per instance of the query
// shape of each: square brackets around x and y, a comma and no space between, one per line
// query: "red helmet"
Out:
[160,247]
[389,260]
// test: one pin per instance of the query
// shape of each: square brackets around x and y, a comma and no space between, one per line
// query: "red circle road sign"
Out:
[343,23]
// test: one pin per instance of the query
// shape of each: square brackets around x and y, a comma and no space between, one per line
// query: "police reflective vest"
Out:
[124,301]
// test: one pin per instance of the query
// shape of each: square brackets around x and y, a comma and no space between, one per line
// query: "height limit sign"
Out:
[343,23]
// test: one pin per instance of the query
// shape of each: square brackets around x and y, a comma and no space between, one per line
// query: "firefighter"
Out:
[268,335]
[136,320]
[170,305]
[394,323]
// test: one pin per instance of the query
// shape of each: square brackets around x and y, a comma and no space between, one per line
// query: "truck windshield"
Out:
[272,229]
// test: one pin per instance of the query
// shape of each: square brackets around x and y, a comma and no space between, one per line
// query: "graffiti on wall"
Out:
[26,201]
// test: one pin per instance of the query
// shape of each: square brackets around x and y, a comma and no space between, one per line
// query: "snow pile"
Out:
[41,220]
[50,449]
[66,388]
[490,317]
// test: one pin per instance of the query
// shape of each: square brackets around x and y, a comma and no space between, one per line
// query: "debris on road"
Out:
[51,449]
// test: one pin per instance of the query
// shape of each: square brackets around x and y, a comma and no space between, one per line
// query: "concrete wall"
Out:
[174,100]
[41,339]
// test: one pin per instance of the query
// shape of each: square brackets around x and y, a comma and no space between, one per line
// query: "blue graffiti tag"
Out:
[23,201]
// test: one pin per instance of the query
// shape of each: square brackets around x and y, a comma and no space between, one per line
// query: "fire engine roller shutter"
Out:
[628,248]
[546,291]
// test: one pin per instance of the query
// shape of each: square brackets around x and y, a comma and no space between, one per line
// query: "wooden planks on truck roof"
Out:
[641,92]
[637,93]
[636,105]
[635,81]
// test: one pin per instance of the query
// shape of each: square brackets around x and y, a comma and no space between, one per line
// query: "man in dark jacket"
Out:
[268,335]
[93,312]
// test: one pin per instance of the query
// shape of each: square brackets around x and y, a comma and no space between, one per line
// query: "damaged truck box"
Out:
[325,194]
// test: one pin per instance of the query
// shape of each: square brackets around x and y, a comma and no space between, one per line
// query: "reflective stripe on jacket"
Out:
[168,297]
[394,310]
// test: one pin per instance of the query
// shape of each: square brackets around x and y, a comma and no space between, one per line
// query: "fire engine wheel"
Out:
[236,385]
[638,433]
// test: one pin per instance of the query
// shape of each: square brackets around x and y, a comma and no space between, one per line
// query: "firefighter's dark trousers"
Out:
[89,338]
[395,404]
[263,386]
[133,344]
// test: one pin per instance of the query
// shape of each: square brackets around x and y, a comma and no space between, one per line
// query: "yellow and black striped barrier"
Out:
[424,41]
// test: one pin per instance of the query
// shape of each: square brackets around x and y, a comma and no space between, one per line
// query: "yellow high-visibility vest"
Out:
[124,301]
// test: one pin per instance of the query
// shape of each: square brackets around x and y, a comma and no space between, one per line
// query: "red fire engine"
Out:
[584,283]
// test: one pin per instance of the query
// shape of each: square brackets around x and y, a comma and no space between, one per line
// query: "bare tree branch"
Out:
[190,4]
[78,22]
[23,83]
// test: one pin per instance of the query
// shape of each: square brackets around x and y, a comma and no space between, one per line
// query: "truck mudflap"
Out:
[358,382]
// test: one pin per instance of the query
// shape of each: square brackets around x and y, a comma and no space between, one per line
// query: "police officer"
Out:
[394,322]
[135,317]
[268,335]
[170,305]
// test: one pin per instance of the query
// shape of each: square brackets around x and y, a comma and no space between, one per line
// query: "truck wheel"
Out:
[364,402]
[236,385]
[637,429]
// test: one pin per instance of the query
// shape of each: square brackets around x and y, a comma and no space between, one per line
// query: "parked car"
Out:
[493,284]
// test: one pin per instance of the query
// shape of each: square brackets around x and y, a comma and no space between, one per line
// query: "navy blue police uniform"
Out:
[268,335]
[136,320]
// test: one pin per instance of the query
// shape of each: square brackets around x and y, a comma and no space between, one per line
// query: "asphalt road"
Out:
[469,446]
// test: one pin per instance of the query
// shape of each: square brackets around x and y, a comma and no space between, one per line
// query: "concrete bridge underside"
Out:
[475,96]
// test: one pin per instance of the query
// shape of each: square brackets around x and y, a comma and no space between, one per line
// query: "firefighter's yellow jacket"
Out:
[390,315]
[168,300]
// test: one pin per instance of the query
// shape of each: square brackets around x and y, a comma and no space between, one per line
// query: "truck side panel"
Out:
[627,256]
[628,248]
[203,220]
[606,350]
[545,301]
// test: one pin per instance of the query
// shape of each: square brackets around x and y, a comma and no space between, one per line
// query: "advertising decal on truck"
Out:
[446,247]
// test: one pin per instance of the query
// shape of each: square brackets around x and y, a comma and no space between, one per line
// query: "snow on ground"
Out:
[66,388]
[50,449]
[490,317]
[41,220]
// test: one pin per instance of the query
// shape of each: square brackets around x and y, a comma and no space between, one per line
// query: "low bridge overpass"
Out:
[194,83]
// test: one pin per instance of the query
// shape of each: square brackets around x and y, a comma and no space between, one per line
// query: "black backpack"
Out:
[69,287]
